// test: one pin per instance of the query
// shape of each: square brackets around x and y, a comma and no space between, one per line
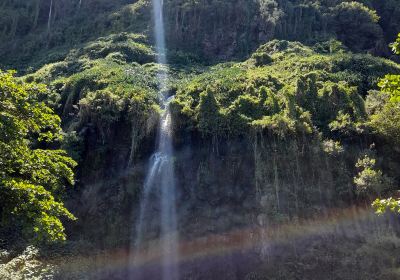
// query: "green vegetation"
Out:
[32,175]
[286,92]
[370,181]
[104,83]
[324,96]
[356,25]
[387,123]
[283,111]
[34,39]
[298,91]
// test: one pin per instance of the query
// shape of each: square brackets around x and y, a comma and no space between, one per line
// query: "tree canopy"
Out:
[33,175]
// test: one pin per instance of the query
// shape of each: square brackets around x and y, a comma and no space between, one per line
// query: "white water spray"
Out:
[160,186]
[49,19]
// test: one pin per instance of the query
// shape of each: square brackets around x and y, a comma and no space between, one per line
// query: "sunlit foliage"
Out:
[370,180]
[387,123]
[294,91]
[33,176]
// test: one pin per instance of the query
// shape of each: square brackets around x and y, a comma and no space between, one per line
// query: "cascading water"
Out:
[160,184]
[49,19]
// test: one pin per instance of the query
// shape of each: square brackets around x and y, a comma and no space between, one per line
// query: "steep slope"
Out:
[35,32]
[289,114]
[268,148]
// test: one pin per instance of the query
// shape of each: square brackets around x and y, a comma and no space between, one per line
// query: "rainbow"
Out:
[223,244]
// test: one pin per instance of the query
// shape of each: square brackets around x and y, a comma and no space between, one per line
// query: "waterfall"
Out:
[160,187]
[49,19]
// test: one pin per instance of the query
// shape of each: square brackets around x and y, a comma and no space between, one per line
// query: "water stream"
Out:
[159,195]
[49,19]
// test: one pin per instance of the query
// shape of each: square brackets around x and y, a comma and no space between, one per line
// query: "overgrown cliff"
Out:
[292,130]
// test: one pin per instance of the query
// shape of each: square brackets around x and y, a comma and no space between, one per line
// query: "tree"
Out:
[387,123]
[32,175]
[356,25]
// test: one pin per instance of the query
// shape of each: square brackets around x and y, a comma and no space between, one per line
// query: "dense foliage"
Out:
[32,175]
[105,88]
[283,111]
[296,89]
[387,123]
[37,32]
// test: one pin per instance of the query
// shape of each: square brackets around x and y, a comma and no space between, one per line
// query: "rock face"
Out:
[228,228]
